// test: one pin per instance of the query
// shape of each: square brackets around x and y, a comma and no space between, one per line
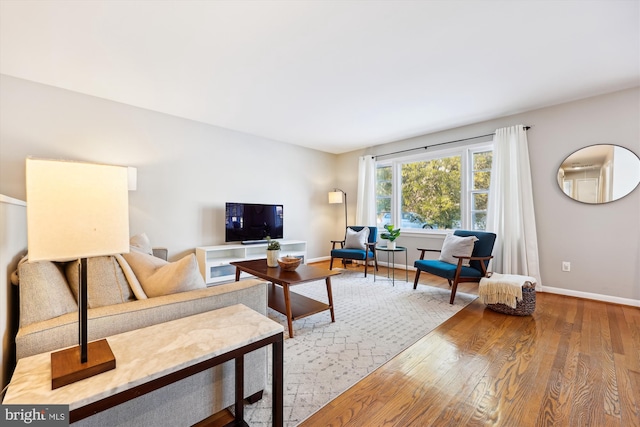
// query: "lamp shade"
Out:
[335,197]
[76,210]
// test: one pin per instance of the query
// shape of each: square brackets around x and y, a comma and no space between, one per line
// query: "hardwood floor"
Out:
[574,362]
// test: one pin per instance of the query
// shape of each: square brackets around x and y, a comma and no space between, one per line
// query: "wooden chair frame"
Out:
[371,247]
[458,278]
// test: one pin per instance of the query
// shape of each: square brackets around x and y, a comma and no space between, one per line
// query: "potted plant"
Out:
[391,235]
[273,252]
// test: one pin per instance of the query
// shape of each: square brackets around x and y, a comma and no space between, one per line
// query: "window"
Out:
[480,180]
[383,194]
[441,190]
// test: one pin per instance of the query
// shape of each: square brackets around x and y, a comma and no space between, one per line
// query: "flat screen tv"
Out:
[252,222]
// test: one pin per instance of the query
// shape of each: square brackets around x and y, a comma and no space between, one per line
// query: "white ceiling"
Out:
[330,75]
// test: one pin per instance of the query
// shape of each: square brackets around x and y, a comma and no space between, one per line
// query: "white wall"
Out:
[13,244]
[186,170]
[602,242]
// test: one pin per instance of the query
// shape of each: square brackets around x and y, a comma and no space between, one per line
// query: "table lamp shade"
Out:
[76,210]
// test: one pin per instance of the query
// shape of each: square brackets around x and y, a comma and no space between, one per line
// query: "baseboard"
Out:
[319,259]
[589,295]
[549,289]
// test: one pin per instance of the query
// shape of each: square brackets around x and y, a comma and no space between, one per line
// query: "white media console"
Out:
[214,260]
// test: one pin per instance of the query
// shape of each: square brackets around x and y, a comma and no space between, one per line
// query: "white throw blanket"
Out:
[503,288]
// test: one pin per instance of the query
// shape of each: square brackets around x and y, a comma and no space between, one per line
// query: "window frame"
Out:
[465,152]
[471,190]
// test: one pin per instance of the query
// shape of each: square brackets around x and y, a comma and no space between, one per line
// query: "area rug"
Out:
[374,322]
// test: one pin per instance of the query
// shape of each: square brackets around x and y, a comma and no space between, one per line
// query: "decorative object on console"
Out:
[391,235]
[273,252]
[335,197]
[74,211]
[289,263]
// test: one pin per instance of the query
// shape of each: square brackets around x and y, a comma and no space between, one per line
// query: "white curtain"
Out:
[366,198]
[511,214]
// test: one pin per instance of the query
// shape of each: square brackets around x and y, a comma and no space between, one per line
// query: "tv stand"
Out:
[214,261]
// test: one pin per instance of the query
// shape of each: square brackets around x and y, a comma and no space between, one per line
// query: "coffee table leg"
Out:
[237,274]
[287,306]
[330,295]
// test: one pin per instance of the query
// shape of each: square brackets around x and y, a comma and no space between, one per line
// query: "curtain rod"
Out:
[426,147]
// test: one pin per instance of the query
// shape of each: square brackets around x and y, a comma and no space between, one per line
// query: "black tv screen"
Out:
[248,222]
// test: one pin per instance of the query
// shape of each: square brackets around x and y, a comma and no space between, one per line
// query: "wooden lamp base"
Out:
[66,367]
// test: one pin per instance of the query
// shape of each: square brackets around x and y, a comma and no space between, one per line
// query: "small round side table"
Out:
[391,253]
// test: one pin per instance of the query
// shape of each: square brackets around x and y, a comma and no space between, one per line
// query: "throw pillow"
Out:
[457,245]
[44,293]
[357,239]
[142,242]
[134,283]
[106,282]
[159,277]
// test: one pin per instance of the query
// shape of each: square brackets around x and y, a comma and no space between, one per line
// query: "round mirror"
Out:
[599,174]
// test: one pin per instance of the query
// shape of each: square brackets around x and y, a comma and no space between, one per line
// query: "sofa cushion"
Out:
[106,283]
[44,293]
[159,277]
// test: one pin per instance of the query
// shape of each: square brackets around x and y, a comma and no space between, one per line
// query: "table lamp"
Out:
[74,211]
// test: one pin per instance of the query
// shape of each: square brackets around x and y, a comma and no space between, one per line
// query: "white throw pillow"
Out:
[142,242]
[159,277]
[357,239]
[457,245]
[134,283]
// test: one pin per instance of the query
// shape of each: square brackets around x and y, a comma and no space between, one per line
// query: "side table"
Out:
[153,357]
[391,253]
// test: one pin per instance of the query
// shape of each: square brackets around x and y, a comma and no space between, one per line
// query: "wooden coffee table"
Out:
[292,305]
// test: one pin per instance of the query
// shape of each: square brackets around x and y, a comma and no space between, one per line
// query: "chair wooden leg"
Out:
[331,264]
[366,264]
[415,281]
[454,287]
[453,291]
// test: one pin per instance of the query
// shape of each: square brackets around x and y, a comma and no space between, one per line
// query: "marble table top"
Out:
[143,355]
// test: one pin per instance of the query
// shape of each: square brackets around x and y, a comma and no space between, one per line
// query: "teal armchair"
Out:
[458,273]
[366,254]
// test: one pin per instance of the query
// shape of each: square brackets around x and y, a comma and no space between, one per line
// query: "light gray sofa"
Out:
[49,321]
